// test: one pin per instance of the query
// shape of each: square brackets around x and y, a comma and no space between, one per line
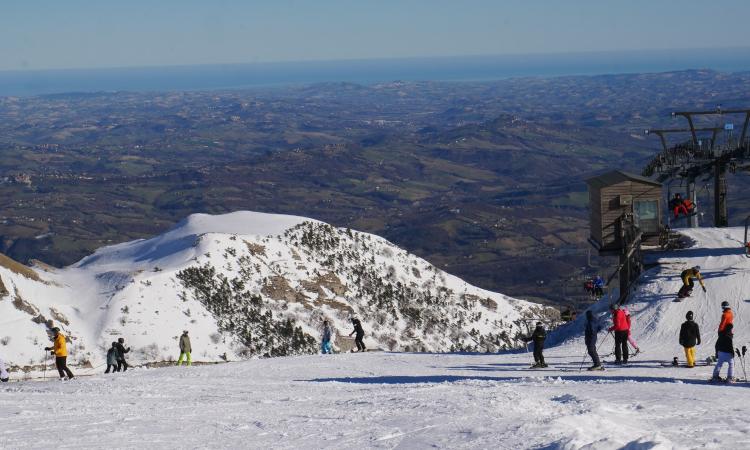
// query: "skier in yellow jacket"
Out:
[60,350]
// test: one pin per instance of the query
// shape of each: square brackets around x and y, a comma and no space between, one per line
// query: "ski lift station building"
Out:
[616,196]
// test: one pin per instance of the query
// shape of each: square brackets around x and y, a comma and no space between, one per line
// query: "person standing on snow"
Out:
[621,328]
[592,329]
[60,350]
[690,336]
[122,365]
[538,337]
[725,354]
[687,276]
[185,349]
[112,358]
[727,316]
[631,341]
[4,377]
[325,345]
[360,334]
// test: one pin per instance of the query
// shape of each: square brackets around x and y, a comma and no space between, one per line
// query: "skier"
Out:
[727,316]
[185,349]
[538,336]
[631,341]
[621,328]
[325,346]
[112,358]
[592,329]
[122,365]
[60,350]
[678,206]
[725,353]
[4,377]
[690,336]
[687,276]
[360,334]
[598,286]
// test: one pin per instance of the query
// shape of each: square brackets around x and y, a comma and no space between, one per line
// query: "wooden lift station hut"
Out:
[625,211]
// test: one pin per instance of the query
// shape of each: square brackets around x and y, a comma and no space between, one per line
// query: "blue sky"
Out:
[39,34]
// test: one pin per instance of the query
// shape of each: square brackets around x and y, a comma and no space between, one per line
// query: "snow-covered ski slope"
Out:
[657,317]
[413,401]
[254,264]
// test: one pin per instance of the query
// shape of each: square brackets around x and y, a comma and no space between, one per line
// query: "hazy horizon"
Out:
[368,71]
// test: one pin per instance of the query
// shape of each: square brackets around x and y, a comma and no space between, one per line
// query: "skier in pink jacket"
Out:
[630,333]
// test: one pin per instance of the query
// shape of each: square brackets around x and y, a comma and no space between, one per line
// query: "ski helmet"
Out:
[121,340]
[697,268]
[56,330]
[725,305]
[689,315]
[114,343]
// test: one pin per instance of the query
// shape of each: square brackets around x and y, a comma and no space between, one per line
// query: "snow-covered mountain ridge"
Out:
[249,284]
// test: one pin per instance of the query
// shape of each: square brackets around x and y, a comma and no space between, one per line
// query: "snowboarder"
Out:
[538,337]
[4,377]
[60,350]
[122,365]
[631,341]
[592,329]
[598,286]
[727,316]
[360,334]
[325,346]
[621,328]
[687,276]
[185,349]
[725,354]
[112,358]
[690,336]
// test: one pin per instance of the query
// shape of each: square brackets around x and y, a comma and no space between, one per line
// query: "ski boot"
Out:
[594,368]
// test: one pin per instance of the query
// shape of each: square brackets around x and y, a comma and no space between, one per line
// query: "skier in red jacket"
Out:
[621,327]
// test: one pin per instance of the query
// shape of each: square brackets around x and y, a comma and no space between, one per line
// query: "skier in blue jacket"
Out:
[325,345]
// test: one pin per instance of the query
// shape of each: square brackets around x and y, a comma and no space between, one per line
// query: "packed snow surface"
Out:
[380,400]
[412,400]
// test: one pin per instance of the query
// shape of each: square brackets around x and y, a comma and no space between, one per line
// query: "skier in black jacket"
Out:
[360,334]
[121,350]
[690,336]
[538,337]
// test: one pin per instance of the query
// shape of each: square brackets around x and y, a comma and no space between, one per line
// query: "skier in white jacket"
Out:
[3,373]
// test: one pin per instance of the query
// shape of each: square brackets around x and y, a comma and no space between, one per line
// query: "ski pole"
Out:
[44,363]
[580,368]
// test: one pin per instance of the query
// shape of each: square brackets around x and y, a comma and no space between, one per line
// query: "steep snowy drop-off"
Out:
[248,284]
[407,400]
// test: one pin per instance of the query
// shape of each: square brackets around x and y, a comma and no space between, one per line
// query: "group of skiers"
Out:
[595,286]
[116,356]
[325,344]
[621,329]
